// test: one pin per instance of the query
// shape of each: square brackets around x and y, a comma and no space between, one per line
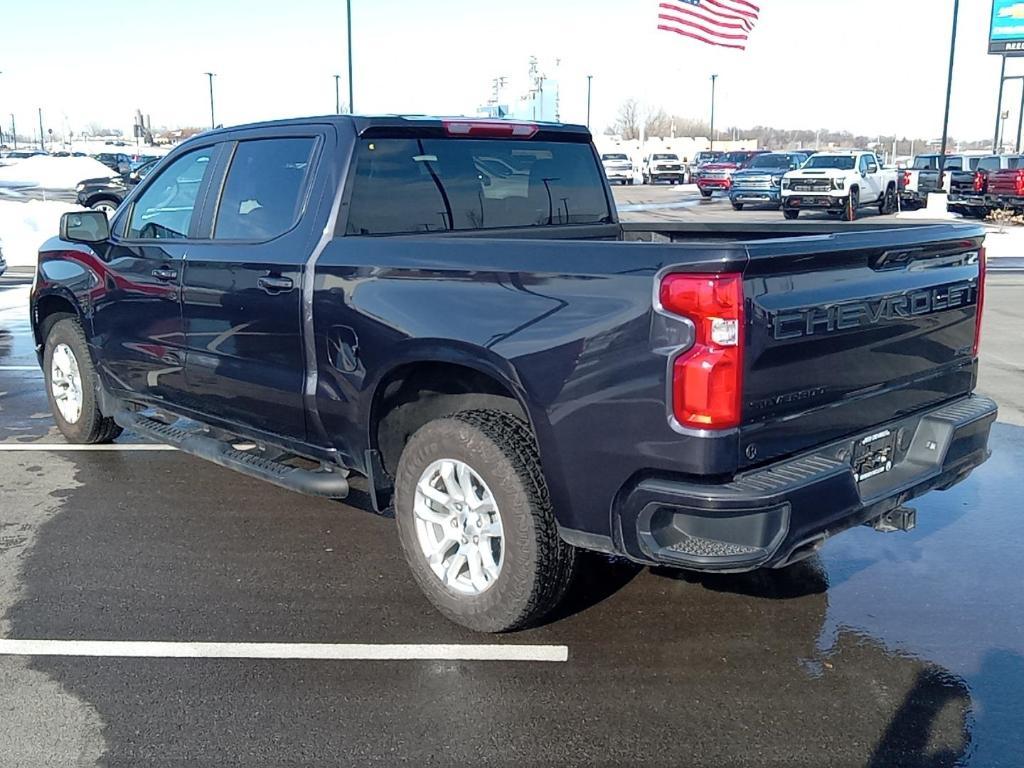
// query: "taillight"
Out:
[707,378]
[979,181]
[982,269]
[905,179]
[1018,183]
[491,129]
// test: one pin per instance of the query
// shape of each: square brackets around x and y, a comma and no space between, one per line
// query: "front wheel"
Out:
[706,192]
[737,206]
[71,386]
[107,206]
[475,522]
[790,213]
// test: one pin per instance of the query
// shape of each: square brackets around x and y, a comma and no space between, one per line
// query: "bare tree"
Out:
[658,123]
[627,121]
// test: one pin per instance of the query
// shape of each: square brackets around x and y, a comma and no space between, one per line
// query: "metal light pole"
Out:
[949,91]
[999,105]
[14,131]
[213,121]
[42,145]
[351,98]
[337,94]
[589,78]
[713,79]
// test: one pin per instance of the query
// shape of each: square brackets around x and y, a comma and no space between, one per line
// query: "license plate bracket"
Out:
[874,455]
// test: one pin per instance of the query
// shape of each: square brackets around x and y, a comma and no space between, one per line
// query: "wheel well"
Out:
[50,310]
[416,393]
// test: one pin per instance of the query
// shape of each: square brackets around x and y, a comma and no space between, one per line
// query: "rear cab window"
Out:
[416,185]
[263,192]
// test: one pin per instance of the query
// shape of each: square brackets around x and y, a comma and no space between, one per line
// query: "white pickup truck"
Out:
[839,182]
[618,167]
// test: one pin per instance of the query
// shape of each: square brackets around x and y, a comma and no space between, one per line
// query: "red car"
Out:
[718,175]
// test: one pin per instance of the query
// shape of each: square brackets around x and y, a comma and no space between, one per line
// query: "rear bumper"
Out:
[776,515]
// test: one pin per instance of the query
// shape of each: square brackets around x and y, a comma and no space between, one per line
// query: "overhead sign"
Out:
[1006,33]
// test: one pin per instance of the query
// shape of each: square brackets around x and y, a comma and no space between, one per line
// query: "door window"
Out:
[263,193]
[164,210]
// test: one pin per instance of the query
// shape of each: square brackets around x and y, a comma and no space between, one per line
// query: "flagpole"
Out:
[714,77]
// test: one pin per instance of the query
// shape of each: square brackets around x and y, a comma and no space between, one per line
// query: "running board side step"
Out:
[326,483]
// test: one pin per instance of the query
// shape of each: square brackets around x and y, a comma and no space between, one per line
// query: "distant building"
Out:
[537,98]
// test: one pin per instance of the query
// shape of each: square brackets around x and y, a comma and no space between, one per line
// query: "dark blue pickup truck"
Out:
[451,309]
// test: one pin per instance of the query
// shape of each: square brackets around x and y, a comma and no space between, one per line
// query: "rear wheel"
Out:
[790,213]
[71,386]
[475,522]
[888,204]
[705,193]
[629,182]
[737,206]
[852,203]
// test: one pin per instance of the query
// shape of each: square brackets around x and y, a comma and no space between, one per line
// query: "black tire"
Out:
[538,566]
[706,192]
[629,182]
[790,213]
[834,214]
[92,426]
[852,203]
[737,206]
[888,204]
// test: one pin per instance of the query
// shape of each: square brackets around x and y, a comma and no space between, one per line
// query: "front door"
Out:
[137,311]
[242,288]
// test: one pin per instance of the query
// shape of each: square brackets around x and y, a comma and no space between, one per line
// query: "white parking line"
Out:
[71,447]
[20,368]
[321,651]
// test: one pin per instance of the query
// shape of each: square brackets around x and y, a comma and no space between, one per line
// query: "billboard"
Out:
[1006,33]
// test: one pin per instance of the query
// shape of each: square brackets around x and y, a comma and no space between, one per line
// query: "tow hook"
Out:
[899,519]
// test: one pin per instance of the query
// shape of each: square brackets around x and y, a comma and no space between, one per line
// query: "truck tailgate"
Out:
[853,330]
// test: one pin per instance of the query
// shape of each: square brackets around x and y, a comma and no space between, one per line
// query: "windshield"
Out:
[736,157]
[707,157]
[771,161]
[614,157]
[439,185]
[925,163]
[839,162]
[665,157]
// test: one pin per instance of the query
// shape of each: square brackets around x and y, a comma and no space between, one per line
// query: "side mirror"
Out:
[85,227]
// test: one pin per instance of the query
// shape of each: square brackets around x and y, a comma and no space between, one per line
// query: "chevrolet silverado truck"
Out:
[968,189]
[760,183]
[923,177]
[663,166]
[839,183]
[618,167]
[516,375]
[717,175]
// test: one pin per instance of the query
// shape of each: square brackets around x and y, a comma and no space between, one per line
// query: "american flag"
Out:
[726,23]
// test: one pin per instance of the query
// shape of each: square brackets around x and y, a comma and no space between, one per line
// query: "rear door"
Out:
[853,330]
[242,288]
[136,312]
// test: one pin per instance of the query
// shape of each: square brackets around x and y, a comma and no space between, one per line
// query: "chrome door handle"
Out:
[272,285]
[165,273]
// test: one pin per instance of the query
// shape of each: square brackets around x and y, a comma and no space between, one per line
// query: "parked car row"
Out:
[105,193]
[995,182]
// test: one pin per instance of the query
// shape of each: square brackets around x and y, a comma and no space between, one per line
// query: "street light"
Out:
[949,92]
[589,78]
[713,79]
[351,98]
[213,121]
[337,94]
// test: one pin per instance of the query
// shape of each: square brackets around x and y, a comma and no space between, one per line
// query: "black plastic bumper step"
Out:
[327,483]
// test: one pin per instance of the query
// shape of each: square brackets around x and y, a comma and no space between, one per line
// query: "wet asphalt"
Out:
[902,649]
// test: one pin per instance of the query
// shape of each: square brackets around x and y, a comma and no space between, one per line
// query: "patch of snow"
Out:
[26,226]
[52,172]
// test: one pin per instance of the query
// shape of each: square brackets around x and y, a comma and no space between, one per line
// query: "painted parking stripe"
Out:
[319,651]
[71,447]
[20,368]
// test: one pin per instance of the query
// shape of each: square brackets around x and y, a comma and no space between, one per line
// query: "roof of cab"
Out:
[410,123]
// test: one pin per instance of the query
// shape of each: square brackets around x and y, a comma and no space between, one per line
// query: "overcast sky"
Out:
[870,66]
